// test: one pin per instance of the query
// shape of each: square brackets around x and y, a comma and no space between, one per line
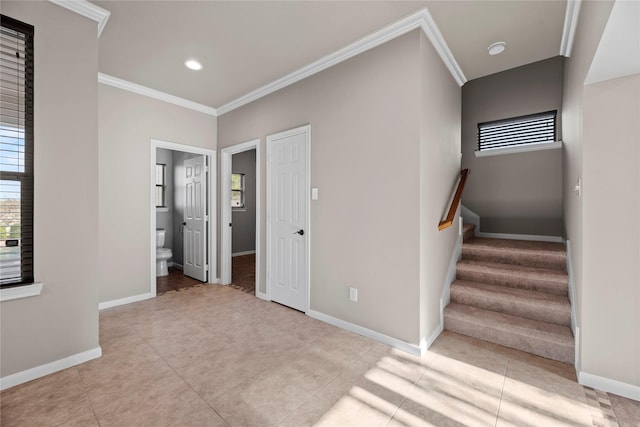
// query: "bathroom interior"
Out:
[243,218]
[170,205]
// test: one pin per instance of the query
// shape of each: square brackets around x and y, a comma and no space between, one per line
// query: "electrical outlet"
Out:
[353,294]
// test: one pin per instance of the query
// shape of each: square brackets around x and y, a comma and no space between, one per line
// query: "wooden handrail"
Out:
[455,201]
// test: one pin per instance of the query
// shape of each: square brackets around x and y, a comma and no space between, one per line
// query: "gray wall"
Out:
[165,219]
[179,202]
[244,220]
[63,320]
[514,193]
[366,150]
[127,123]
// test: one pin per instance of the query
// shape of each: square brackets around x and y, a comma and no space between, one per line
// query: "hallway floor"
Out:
[215,356]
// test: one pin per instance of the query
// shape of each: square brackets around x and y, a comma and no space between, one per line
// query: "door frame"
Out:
[226,155]
[211,206]
[306,129]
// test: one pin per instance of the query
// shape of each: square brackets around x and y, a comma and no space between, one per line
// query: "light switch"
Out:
[314,194]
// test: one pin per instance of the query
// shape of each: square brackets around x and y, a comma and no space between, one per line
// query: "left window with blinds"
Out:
[16,153]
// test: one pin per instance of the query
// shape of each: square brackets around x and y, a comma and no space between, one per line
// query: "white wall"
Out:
[601,147]
[63,320]
[440,148]
[611,230]
[369,139]
[127,123]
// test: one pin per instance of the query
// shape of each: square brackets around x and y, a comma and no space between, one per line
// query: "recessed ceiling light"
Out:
[192,64]
[497,48]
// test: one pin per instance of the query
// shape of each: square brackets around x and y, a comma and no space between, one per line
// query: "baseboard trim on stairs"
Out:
[49,368]
[530,237]
[609,385]
[369,333]
[572,289]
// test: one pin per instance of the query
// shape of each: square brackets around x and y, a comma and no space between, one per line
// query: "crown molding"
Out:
[86,9]
[570,24]
[421,19]
[156,94]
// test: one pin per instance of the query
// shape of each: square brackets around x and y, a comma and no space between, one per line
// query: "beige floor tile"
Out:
[168,401]
[474,352]
[453,392]
[627,411]
[550,375]
[58,399]
[524,404]
[270,396]
[122,372]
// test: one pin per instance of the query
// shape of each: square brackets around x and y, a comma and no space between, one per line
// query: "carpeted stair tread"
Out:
[518,302]
[533,336]
[518,252]
[516,276]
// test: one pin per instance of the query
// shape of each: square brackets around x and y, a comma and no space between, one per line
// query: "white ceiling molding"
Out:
[421,19]
[618,53]
[86,9]
[570,25]
[156,94]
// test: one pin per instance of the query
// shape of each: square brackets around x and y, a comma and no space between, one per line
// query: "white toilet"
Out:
[162,254]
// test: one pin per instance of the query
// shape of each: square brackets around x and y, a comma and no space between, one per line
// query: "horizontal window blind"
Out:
[517,131]
[16,152]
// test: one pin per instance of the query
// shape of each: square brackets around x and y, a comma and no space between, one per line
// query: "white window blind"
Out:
[517,131]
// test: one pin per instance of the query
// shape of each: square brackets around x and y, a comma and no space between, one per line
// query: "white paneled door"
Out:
[195,219]
[287,216]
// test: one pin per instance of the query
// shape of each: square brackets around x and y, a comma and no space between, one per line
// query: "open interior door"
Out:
[195,219]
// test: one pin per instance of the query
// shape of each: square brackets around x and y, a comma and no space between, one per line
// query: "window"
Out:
[161,185]
[16,152]
[518,133]
[237,190]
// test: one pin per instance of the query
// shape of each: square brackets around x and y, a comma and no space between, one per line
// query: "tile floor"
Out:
[216,356]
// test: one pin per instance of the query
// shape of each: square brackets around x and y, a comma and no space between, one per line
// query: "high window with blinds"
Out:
[16,152]
[517,131]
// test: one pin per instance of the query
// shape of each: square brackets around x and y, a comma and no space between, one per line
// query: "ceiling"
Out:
[245,45]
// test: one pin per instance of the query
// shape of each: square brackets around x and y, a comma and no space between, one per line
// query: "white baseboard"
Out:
[610,386]
[122,301]
[176,265]
[360,330]
[436,333]
[243,253]
[532,237]
[572,289]
[49,368]
[262,295]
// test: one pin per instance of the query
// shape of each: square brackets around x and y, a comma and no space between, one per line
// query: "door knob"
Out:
[300,232]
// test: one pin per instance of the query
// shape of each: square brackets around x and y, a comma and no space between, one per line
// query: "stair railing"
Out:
[455,201]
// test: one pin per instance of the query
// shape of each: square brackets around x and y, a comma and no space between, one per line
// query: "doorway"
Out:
[182,215]
[241,216]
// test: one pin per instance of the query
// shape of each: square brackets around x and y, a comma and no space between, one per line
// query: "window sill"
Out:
[162,209]
[523,149]
[23,291]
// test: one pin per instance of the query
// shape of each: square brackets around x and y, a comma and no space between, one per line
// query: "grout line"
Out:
[88,394]
[504,380]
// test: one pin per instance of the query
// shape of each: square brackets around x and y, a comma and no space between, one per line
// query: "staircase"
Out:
[513,293]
